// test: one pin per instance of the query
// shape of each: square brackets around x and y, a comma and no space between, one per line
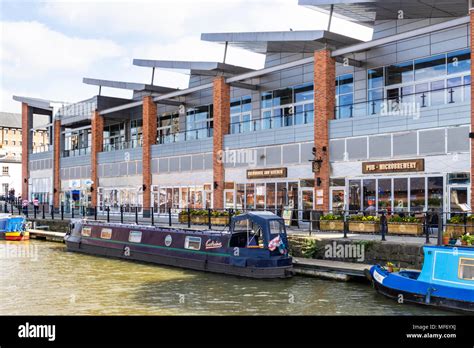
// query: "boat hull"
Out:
[183,262]
[419,294]
[17,236]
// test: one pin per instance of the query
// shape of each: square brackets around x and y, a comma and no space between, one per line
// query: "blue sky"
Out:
[47,47]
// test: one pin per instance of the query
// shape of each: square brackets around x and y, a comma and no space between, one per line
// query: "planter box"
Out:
[331,225]
[458,230]
[219,220]
[364,227]
[405,228]
[183,218]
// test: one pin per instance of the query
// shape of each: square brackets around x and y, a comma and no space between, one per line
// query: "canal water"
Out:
[39,278]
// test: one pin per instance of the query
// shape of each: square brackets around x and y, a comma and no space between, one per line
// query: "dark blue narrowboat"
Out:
[446,280]
[254,246]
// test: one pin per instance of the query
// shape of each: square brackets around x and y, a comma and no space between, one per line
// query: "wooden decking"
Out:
[47,235]
[328,269]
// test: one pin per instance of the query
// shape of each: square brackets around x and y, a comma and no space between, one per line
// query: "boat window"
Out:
[193,243]
[86,231]
[247,233]
[466,269]
[276,228]
[106,233]
[135,236]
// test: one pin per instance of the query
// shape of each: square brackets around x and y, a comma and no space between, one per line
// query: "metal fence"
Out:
[428,224]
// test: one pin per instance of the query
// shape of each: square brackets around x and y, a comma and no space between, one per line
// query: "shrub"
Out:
[331,217]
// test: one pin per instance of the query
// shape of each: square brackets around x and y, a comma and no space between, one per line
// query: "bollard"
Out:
[35,211]
[426,229]
[440,228]
[383,226]
[152,216]
[62,212]
[169,217]
[52,212]
[95,213]
[189,217]
[26,211]
[121,214]
[72,212]
[44,215]
[209,218]
[83,211]
[346,224]
[108,213]
[231,212]
[136,215]
[12,208]
[465,222]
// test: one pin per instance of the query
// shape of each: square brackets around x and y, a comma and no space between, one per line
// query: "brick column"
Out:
[324,103]
[97,135]
[471,13]
[25,141]
[56,159]
[149,139]
[221,114]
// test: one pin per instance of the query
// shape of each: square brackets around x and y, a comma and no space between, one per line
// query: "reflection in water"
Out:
[40,278]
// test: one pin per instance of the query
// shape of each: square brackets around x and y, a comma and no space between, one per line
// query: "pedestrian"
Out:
[36,204]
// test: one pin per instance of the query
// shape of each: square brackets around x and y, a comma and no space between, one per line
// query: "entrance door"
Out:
[459,199]
[307,203]
[229,199]
[338,199]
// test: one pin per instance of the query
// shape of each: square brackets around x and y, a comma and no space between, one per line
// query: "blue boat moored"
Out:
[446,280]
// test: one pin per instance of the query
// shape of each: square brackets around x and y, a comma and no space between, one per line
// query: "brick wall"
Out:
[97,135]
[324,102]
[221,114]
[149,138]
[56,161]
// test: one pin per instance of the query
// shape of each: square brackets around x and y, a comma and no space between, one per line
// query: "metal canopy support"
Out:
[330,17]
[244,86]
[170,102]
[100,89]
[225,51]
[152,75]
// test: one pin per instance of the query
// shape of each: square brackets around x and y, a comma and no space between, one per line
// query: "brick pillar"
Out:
[97,135]
[221,114]
[25,141]
[324,103]
[471,13]
[149,139]
[57,158]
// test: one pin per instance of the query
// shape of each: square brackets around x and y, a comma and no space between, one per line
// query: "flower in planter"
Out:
[331,217]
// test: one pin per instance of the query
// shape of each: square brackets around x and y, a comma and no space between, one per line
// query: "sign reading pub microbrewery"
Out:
[266,173]
[414,165]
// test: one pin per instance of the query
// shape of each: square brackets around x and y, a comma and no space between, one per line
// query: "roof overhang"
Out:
[304,41]
[43,104]
[195,67]
[127,85]
[366,12]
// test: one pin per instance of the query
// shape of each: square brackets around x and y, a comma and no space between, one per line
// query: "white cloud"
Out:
[32,48]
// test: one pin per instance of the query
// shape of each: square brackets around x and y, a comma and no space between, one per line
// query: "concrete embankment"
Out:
[401,254]
[50,225]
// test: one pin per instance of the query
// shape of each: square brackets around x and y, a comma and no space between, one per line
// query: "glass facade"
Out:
[344,96]
[77,142]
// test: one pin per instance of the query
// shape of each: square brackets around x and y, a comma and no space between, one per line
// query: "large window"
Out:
[344,96]
[199,123]
[287,107]
[76,142]
[114,137]
[241,116]
[168,128]
[431,81]
[136,133]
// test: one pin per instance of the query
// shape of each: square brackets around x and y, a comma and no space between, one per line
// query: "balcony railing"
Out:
[194,134]
[273,122]
[124,145]
[405,103]
[77,152]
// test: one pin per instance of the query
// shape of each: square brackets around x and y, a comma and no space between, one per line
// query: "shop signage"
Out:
[267,173]
[74,184]
[401,166]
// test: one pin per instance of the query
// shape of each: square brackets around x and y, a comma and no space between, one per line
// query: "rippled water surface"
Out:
[39,278]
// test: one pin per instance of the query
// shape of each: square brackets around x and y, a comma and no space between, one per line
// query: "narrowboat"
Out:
[446,280]
[13,228]
[255,245]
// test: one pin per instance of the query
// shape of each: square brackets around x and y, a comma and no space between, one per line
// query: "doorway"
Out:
[338,199]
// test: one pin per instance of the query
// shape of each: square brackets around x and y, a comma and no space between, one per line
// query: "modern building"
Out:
[329,122]
[11,150]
